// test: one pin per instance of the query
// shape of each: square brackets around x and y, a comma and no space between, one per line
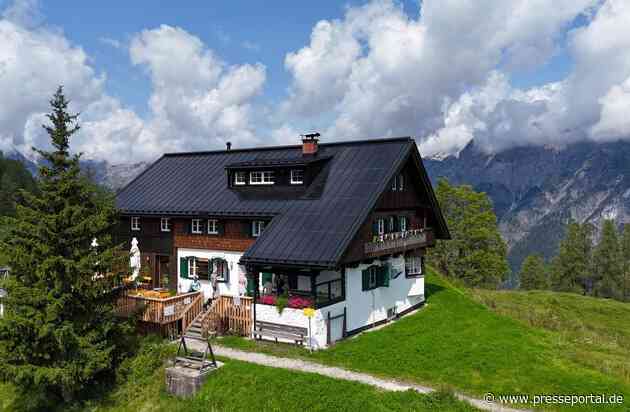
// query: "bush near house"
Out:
[458,342]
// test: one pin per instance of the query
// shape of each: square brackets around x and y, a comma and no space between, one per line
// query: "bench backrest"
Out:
[269,326]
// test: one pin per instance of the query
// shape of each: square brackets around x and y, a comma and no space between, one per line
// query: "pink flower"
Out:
[268,300]
[299,302]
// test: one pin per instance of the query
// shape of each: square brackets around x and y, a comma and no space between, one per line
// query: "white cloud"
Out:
[383,72]
[198,100]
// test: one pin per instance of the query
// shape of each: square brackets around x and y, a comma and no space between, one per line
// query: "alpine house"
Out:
[338,227]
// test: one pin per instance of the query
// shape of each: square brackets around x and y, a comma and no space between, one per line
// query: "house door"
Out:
[162,271]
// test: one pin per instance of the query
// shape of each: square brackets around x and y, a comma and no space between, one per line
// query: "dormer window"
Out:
[165,224]
[261,178]
[135,223]
[257,227]
[240,178]
[297,176]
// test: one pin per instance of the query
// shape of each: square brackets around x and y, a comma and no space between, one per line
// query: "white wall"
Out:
[296,317]
[367,307]
[225,288]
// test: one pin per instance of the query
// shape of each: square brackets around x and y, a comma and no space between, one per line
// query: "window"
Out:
[375,276]
[165,224]
[297,176]
[240,178]
[213,227]
[391,224]
[220,268]
[380,225]
[193,267]
[402,223]
[372,275]
[195,226]
[413,266]
[398,184]
[257,227]
[135,223]
[261,178]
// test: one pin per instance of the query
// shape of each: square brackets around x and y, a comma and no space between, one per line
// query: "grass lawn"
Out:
[595,332]
[459,343]
[240,386]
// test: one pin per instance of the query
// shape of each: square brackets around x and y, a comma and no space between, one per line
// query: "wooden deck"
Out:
[225,317]
[169,316]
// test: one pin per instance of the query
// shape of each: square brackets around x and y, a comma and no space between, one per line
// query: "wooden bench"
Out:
[277,331]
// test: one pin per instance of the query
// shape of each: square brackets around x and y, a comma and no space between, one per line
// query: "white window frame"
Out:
[261,177]
[192,267]
[297,181]
[402,221]
[401,182]
[381,226]
[240,178]
[391,224]
[394,184]
[257,227]
[165,224]
[214,225]
[135,223]
[413,266]
[195,226]
[221,278]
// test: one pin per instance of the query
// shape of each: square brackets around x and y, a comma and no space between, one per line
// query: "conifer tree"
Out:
[534,274]
[625,259]
[59,335]
[477,252]
[571,267]
[607,264]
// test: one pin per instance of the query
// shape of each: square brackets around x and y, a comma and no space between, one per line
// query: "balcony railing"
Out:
[398,241]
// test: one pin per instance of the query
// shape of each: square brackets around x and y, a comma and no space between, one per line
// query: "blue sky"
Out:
[238,31]
[150,77]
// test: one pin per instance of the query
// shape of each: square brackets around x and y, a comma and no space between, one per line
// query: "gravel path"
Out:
[337,373]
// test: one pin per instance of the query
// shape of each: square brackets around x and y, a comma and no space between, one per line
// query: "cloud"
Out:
[116,44]
[26,13]
[198,100]
[381,72]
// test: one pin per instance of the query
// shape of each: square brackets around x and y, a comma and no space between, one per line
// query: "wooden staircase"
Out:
[194,359]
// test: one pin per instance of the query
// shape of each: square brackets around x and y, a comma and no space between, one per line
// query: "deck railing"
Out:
[225,316]
[161,311]
[399,241]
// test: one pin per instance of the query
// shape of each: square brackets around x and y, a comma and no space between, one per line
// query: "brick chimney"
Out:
[310,144]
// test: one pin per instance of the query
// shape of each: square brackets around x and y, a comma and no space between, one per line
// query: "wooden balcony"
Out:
[399,242]
[168,315]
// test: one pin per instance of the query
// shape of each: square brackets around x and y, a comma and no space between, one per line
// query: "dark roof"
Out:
[291,161]
[313,227]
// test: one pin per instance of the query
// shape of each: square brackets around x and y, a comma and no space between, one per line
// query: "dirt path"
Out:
[338,373]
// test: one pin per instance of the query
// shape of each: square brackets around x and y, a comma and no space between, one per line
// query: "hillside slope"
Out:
[535,190]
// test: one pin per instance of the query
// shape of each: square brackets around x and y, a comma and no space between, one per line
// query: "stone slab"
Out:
[186,382]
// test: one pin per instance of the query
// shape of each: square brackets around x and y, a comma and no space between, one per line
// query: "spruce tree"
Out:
[534,274]
[477,253]
[59,335]
[625,259]
[607,264]
[571,267]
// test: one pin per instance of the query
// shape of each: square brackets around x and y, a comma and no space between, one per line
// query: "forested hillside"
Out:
[13,176]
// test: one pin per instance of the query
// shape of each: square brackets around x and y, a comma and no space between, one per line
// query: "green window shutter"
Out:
[251,284]
[386,269]
[183,268]
[365,279]
[221,227]
[267,277]
[375,228]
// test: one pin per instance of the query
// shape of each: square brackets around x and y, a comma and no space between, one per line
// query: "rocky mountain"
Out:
[114,176]
[536,190]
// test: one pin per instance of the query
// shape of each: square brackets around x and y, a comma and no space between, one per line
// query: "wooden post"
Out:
[256,285]
[328,338]
[314,289]
[343,332]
